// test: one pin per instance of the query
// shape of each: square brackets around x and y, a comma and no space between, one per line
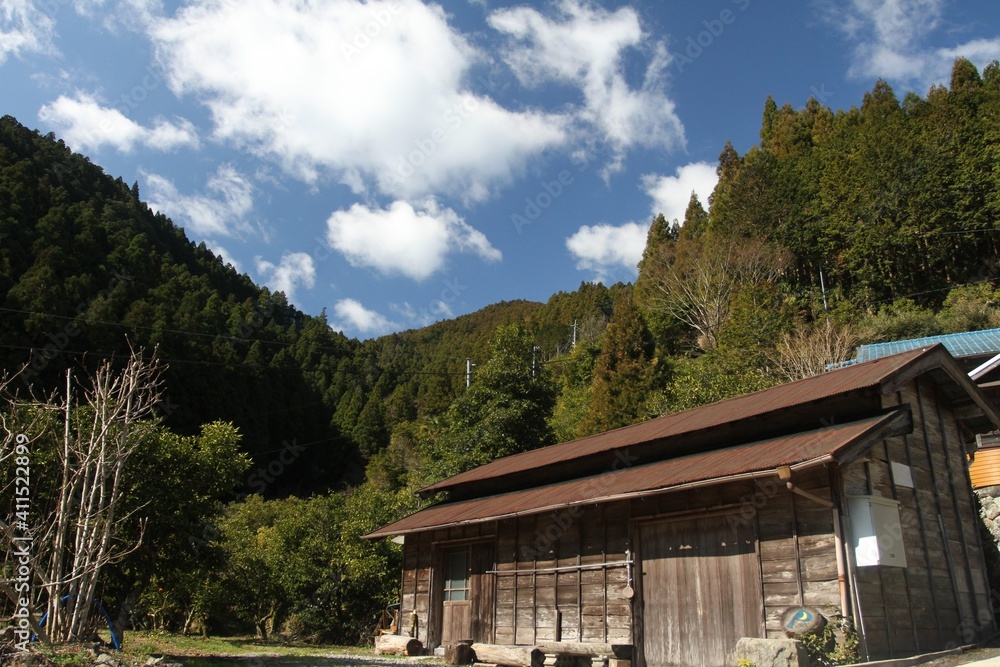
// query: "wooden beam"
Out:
[623,651]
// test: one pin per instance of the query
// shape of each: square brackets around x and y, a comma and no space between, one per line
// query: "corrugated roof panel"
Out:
[760,456]
[964,344]
[851,378]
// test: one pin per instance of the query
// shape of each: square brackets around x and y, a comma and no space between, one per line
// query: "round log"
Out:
[398,645]
[621,651]
[509,656]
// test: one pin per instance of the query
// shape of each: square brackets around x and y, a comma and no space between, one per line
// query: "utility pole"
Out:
[468,372]
[573,347]
[822,286]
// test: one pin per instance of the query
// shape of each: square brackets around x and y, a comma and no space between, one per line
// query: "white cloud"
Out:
[979,51]
[436,311]
[404,240]
[222,211]
[890,41]
[613,250]
[671,194]
[586,46]
[24,29]
[295,270]
[371,93]
[87,125]
[165,135]
[608,249]
[352,315]
[135,15]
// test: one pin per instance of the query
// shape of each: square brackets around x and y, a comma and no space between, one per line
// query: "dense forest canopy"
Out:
[840,227]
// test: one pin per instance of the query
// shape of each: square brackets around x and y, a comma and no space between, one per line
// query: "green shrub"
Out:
[824,648]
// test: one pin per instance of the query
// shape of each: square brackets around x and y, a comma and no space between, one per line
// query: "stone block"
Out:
[772,652]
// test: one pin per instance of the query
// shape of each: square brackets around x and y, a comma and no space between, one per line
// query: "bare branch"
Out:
[697,279]
[810,350]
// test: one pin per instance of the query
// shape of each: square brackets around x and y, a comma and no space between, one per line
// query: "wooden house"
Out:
[847,493]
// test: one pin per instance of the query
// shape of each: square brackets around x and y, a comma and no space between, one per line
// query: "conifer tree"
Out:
[622,372]
[505,411]
[695,219]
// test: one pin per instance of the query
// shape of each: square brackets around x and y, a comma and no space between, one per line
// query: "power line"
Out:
[137,327]
[113,355]
[105,355]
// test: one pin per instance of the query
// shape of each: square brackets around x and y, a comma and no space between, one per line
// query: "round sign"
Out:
[799,621]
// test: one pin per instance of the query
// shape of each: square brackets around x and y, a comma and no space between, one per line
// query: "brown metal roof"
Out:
[852,378]
[748,460]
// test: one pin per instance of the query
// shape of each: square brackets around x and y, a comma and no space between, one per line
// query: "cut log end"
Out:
[459,654]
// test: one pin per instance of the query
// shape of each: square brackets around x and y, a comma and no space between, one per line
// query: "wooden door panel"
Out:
[456,622]
[467,593]
[700,591]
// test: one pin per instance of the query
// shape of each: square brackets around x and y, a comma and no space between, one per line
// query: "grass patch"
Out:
[139,644]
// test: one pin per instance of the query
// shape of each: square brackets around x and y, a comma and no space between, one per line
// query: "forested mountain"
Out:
[889,199]
[86,268]
[840,227]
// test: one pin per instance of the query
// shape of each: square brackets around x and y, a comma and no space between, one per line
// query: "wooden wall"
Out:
[798,561]
[417,586]
[578,605]
[941,598]
[798,550]
[796,542]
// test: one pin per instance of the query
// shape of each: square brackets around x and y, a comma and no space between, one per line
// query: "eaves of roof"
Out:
[838,443]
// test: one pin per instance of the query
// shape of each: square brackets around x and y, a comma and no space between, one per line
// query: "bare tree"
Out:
[810,350]
[85,529]
[697,279]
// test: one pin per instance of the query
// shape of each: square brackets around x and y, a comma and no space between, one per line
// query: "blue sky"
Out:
[399,162]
